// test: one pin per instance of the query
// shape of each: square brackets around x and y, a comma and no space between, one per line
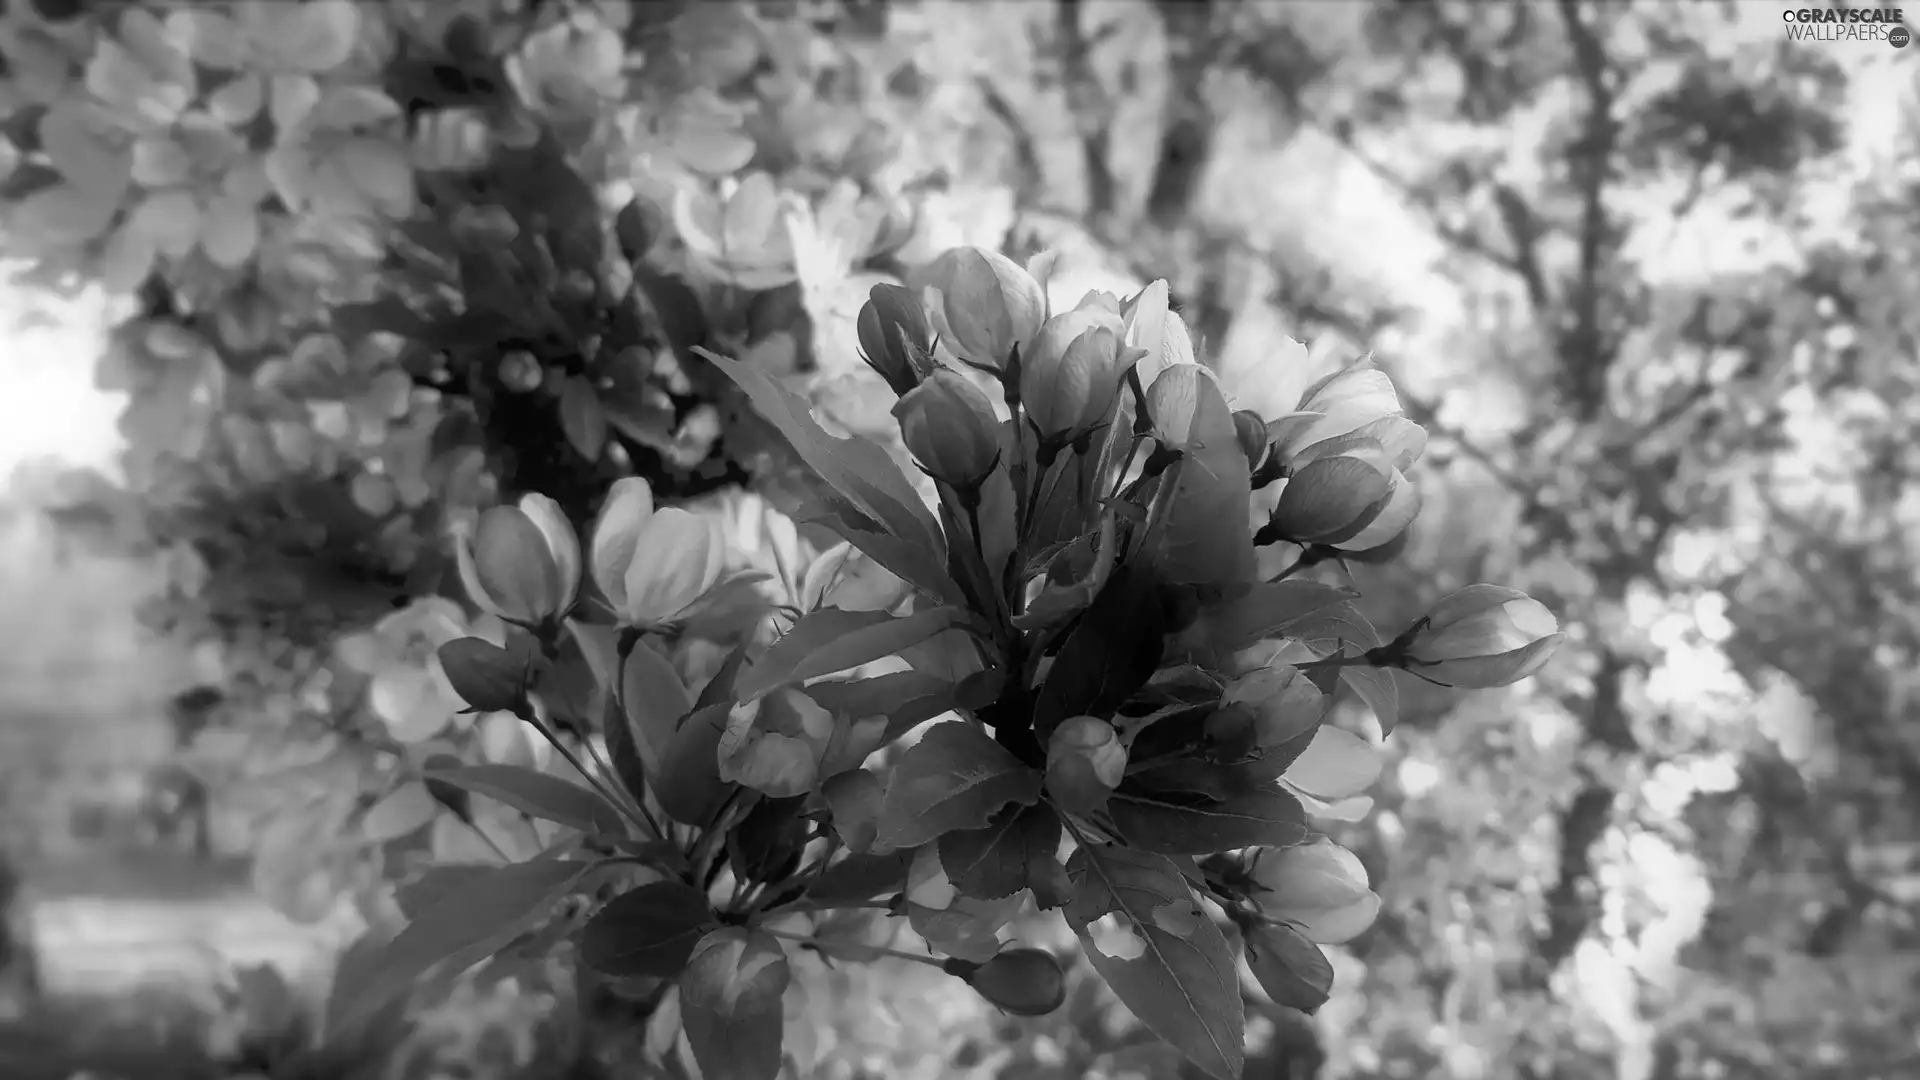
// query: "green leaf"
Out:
[906,698]
[1154,822]
[730,1004]
[1292,970]
[1341,622]
[861,877]
[461,929]
[1267,610]
[651,930]
[1111,653]
[1376,687]
[654,700]
[1017,847]
[435,884]
[859,470]
[1204,533]
[765,846]
[955,777]
[831,639]
[538,794]
[1184,985]
[582,419]
[913,563]
[688,785]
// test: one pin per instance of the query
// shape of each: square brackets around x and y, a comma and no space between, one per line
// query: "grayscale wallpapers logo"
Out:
[1848,24]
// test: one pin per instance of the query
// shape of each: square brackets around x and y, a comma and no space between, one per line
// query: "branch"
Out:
[1092,109]
[1586,354]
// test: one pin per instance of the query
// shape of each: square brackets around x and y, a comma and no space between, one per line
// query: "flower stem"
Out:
[573,759]
[918,958]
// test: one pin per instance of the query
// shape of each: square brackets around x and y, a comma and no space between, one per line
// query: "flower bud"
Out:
[1292,970]
[894,336]
[1071,371]
[522,562]
[1252,433]
[1346,401]
[1285,703]
[1085,762]
[948,425]
[487,677]
[1334,495]
[1321,888]
[1024,982]
[984,306]
[653,565]
[1484,636]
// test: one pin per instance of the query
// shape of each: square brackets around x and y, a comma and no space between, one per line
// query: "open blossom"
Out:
[1484,636]
[653,565]
[522,562]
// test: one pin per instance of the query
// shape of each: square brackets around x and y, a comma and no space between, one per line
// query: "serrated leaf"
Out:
[730,1004]
[1267,610]
[437,883]
[861,877]
[688,785]
[913,564]
[831,640]
[860,470]
[1111,653]
[1008,855]
[651,930]
[955,777]
[1292,970]
[539,795]
[1377,688]
[1185,984]
[654,700]
[906,698]
[460,930]
[405,810]
[1153,822]
[1341,622]
[1204,534]
[582,418]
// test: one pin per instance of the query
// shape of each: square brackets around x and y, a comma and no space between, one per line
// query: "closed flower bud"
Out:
[1024,982]
[1085,762]
[1252,433]
[1285,703]
[653,565]
[487,677]
[984,306]
[894,336]
[948,425]
[1292,970]
[1320,888]
[1348,400]
[522,562]
[1483,636]
[1072,370]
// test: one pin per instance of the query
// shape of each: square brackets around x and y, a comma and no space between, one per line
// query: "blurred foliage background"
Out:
[344,273]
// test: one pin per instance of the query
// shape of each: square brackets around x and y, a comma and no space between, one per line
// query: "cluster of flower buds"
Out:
[1114,484]
[1082,598]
